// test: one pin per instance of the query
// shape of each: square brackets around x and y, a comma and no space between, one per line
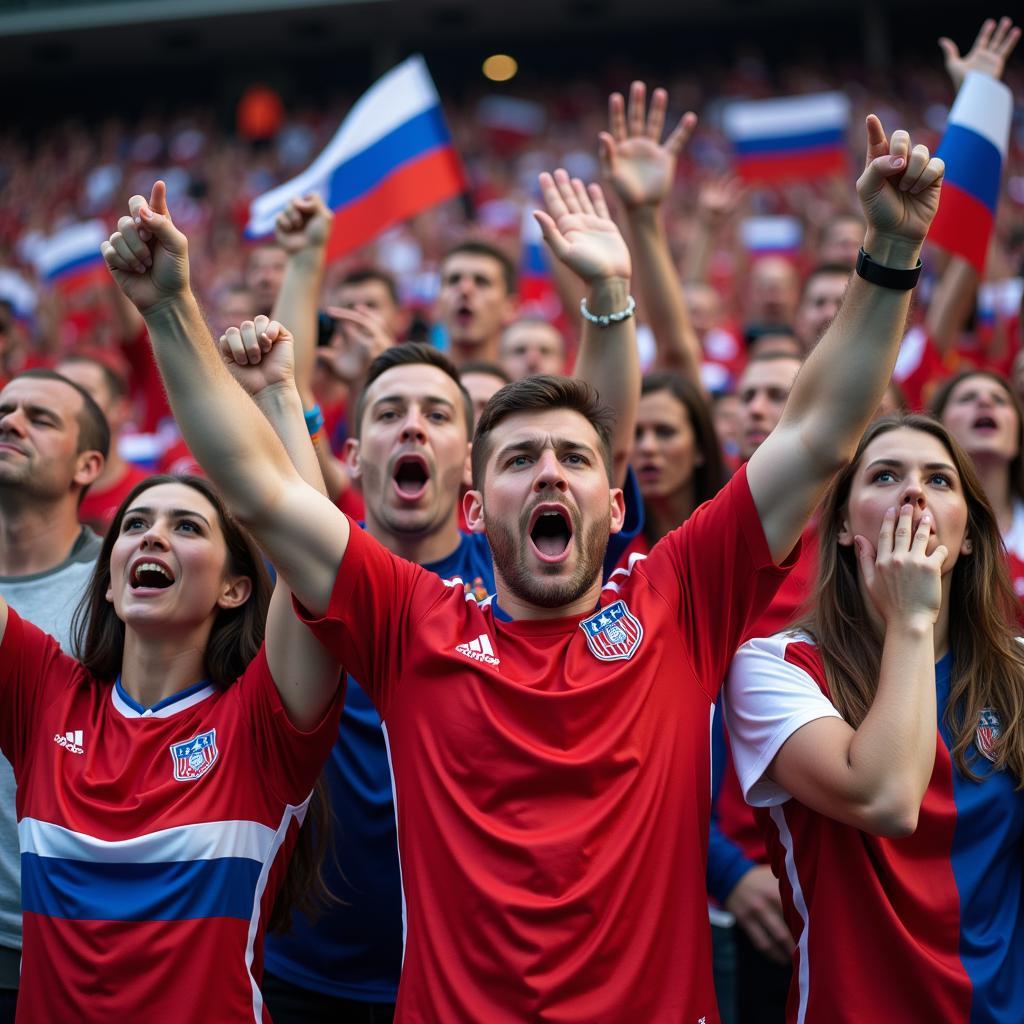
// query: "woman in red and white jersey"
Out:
[883,745]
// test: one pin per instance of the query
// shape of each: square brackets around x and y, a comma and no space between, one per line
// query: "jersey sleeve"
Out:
[33,669]
[767,698]
[717,571]
[632,526]
[375,604]
[297,755]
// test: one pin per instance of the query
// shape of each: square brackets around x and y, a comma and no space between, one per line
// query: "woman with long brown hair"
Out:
[899,852]
[163,777]
[981,410]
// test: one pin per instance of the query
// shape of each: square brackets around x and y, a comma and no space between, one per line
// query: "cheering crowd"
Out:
[651,660]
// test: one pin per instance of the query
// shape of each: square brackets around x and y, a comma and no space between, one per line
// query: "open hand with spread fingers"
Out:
[579,229]
[259,353]
[640,167]
[991,49]
[899,192]
[305,223]
[147,255]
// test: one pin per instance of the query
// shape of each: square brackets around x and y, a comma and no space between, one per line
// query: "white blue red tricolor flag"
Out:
[391,158]
[974,149]
[70,257]
[794,138]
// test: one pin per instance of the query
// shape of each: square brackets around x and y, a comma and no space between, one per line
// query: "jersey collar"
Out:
[180,701]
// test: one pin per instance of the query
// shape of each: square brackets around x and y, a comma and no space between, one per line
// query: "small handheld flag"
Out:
[794,138]
[70,258]
[391,158]
[974,149]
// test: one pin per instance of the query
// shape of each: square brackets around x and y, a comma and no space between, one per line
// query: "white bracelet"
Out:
[607,319]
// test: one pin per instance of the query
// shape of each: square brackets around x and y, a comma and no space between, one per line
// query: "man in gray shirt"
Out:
[53,444]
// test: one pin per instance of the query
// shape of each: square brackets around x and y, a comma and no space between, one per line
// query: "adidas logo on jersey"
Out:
[479,650]
[70,741]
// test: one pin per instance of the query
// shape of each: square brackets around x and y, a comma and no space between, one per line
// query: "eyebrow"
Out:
[897,464]
[174,513]
[532,444]
[425,399]
[31,407]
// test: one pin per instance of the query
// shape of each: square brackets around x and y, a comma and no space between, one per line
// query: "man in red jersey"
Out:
[550,749]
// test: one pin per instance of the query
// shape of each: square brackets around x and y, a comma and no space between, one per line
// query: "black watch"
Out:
[887,277]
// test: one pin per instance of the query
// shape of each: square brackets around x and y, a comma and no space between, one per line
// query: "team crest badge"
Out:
[195,757]
[613,633]
[987,733]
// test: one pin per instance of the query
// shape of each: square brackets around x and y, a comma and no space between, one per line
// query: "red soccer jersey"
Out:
[153,841]
[552,776]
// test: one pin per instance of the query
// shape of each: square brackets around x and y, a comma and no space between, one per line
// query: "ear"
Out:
[236,592]
[88,466]
[698,458]
[467,469]
[511,313]
[845,535]
[966,547]
[618,509]
[473,510]
[350,456]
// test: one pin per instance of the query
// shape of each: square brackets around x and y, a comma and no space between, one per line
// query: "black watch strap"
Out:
[887,277]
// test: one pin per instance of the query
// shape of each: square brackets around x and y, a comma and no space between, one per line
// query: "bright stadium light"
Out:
[500,67]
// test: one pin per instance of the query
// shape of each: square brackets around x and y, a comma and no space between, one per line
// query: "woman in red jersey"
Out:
[164,776]
[898,851]
[980,409]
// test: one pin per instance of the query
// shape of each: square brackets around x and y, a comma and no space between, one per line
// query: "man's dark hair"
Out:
[771,357]
[820,271]
[483,366]
[93,429]
[409,354]
[360,275]
[755,332]
[478,247]
[538,394]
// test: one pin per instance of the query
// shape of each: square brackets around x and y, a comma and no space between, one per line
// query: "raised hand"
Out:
[579,230]
[719,199]
[258,353]
[147,255]
[634,160]
[903,581]
[899,188]
[988,55]
[305,223]
[364,337]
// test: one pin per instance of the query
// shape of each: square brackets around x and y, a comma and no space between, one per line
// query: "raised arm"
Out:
[303,534]
[641,169]
[580,232]
[844,378]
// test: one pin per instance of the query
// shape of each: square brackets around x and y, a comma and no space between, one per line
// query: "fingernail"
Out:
[896,161]
[146,212]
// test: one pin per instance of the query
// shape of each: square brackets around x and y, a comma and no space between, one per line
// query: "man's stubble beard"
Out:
[509,553]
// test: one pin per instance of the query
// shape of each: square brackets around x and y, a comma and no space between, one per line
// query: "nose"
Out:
[13,422]
[644,440]
[913,494]
[413,428]
[154,537]
[550,473]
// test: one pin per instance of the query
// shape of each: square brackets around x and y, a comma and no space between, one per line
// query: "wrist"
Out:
[918,625]
[607,295]
[895,252]
[281,394]
[644,214]
[311,255]
[170,307]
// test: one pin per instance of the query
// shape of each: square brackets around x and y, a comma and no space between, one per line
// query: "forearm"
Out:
[283,408]
[845,376]
[892,753]
[608,361]
[677,344]
[296,308]
[697,258]
[951,303]
[228,435]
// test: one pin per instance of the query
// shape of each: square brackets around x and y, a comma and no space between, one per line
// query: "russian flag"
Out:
[798,137]
[772,236]
[510,122]
[391,158]
[537,294]
[70,258]
[974,149]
